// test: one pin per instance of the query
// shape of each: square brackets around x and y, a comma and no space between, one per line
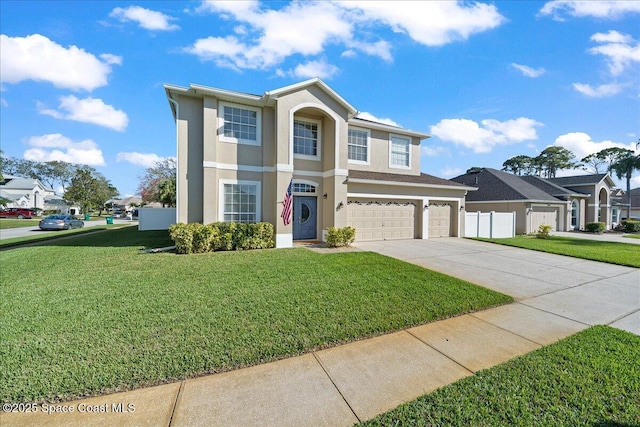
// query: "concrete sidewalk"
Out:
[557,297]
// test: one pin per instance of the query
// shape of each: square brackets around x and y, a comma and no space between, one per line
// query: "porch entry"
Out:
[305,210]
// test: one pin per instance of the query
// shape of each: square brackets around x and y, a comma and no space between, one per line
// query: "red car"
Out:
[19,213]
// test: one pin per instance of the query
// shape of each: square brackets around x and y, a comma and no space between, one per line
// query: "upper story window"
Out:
[399,152]
[358,146]
[239,124]
[306,139]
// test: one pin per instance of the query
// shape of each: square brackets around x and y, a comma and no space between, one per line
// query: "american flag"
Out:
[287,205]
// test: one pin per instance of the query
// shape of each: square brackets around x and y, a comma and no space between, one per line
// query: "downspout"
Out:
[177,114]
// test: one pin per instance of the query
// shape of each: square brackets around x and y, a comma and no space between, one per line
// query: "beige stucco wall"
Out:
[189,168]
[379,154]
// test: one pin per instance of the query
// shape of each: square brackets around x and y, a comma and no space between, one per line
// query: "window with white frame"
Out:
[241,202]
[358,146]
[399,151]
[306,137]
[300,187]
[239,124]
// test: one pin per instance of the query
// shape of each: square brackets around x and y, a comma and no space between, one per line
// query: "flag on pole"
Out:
[287,205]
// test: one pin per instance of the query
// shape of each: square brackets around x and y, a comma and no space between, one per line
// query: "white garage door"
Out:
[381,219]
[440,220]
[543,215]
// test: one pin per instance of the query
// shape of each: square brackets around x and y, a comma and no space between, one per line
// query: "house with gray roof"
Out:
[566,203]
[24,192]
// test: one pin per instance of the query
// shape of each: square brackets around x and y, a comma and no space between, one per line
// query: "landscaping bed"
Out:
[94,314]
[589,379]
[611,252]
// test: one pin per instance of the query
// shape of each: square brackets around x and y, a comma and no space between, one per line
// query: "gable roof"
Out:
[274,94]
[18,183]
[551,188]
[422,180]
[495,185]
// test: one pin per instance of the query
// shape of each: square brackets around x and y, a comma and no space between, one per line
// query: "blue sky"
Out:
[82,81]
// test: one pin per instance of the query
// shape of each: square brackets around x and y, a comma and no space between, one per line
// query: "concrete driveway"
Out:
[588,292]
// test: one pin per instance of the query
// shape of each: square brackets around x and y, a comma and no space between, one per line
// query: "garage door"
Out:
[440,220]
[381,219]
[543,215]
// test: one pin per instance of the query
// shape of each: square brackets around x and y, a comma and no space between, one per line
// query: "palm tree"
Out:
[624,166]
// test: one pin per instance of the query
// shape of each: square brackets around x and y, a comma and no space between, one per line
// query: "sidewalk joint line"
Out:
[336,386]
[175,403]
[504,329]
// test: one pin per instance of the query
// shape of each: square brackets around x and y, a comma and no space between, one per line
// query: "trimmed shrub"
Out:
[630,226]
[544,231]
[595,227]
[337,237]
[221,236]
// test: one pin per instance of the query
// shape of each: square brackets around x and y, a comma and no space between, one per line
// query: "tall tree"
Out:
[519,165]
[149,188]
[54,172]
[167,192]
[625,164]
[89,189]
[553,158]
[595,162]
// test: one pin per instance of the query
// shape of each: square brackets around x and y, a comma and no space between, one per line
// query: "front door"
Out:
[304,217]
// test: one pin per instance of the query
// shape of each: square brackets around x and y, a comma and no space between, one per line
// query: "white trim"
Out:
[408,138]
[318,123]
[284,240]
[410,184]
[547,202]
[305,181]
[222,182]
[235,167]
[325,174]
[360,162]
[220,130]
[387,128]
[284,167]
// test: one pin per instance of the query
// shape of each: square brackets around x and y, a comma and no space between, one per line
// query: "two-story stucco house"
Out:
[237,153]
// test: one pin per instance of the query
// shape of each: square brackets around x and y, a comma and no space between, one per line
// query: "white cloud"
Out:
[368,116]
[88,110]
[146,18]
[450,172]
[582,145]
[481,138]
[620,50]
[267,37]
[432,23]
[35,57]
[601,91]
[596,9]
[56,146]
[529,71]
[433,151]
[311,69]
[141,159]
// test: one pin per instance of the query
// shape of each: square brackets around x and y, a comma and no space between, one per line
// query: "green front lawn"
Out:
[42,236]
[596,250]
[6,223]
[589,379]
[94,314]
[632,236]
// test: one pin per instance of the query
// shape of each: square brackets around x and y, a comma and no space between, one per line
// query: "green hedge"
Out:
[340,236]
[595,227]
[221,236]
[630,225]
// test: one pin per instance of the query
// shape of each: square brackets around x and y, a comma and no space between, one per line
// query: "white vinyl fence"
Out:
[492,225]
[156,218]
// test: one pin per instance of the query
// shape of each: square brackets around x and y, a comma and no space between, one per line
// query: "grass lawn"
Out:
[6,223]
[632,236]
[42,236]
[596,250]
[93,314]
[589,379]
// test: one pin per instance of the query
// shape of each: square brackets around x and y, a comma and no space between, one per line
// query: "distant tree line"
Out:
[158,184]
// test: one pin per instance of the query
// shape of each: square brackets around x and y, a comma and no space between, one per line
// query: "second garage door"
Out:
[381,219]
[439,219]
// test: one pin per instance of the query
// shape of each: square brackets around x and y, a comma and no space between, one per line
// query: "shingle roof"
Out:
[578,179]
[551,188]
[423,178]
[496,185]
[635,198]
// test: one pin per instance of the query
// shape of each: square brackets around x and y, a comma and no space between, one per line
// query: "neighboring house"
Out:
[500,191]
[635,204]
[24,192]
[238,153]
[128,204]
[598,207]
[566,203]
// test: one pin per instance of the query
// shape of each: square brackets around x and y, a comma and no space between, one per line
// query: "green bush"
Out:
[630,225]
[337,237]
[221,236]
[544,231]
[595,227]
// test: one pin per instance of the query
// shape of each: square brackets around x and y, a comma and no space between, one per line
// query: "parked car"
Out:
[118,214]
[19,213]
[60,222]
